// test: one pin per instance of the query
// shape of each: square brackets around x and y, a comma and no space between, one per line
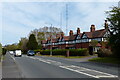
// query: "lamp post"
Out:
[51,39]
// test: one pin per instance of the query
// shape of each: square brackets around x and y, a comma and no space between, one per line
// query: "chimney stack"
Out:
[78,30]
[71,33]
[106,24]
[57,36]
[62,34]
[92,28]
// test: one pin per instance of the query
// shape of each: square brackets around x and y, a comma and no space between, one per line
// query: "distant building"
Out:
[78,40]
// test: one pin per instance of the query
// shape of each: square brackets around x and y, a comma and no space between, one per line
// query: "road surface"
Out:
[52,67]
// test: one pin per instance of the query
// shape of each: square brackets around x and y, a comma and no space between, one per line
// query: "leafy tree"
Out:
[12,47]
[45,32]
[93,43]
[23,44]
[0,51]
[0,48]
[32,43]
[114,26]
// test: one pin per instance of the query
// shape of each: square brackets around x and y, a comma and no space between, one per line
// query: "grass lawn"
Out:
[106,60]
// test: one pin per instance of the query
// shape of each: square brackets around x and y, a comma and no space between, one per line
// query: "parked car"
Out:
[30,53]
[11,52]
[18,53]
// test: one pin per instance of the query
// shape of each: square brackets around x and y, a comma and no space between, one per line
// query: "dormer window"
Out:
[84,36]
[59,40]
[78,37]
[62,39]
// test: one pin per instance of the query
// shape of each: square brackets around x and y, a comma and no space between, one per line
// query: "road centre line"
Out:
[76,68]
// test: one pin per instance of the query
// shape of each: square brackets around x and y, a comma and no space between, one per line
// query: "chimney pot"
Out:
[92,28]
[78,30]
[106,24]
[71,32]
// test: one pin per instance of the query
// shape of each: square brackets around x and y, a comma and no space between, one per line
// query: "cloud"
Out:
[19,18]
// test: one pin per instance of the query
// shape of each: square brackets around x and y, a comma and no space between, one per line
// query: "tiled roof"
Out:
[98,45]
[54,40]
[66,38]
[95,34]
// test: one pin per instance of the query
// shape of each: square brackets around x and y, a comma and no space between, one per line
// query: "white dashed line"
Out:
[81,70]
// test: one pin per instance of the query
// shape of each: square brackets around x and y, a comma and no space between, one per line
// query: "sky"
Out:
[19,18]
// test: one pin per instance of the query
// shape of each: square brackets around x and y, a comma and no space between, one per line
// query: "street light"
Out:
[51,39]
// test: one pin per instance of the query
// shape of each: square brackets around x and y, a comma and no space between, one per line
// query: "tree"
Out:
[23,44]
[93,43]
[114,26]
[0,48]
[0,51]
[32,43]
[45,32]
[12,47]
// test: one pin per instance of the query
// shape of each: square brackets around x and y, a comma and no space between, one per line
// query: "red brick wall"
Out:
[82,45]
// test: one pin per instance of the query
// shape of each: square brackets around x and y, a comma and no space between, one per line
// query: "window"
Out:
[78,37]
[84,36]
[84,40]
[62,39]
[66,42]
[107,34]
[98,39]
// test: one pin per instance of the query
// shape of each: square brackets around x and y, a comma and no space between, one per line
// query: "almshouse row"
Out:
[78,40]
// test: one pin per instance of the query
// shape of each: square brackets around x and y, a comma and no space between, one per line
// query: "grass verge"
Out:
[106,60]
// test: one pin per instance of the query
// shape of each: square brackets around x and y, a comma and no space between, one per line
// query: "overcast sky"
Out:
[19,18]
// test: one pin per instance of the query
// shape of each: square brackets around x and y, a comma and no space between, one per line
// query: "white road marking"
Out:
[77,69]
[95,76]
[12,57]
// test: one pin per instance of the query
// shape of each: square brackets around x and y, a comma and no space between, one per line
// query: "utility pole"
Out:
[66,19]
[51,42]
[50,38]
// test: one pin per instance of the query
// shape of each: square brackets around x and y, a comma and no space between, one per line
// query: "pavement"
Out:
[9,68]
[43,68]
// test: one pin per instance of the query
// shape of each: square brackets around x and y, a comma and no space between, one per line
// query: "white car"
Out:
[11,52]
[18,53]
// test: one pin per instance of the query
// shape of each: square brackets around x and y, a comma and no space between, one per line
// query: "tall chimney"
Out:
[92,28]
[71,33]
[57,36]
[62,34]
[106,24]
[78,30]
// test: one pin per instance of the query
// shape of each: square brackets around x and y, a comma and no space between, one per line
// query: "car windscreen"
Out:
[31,51]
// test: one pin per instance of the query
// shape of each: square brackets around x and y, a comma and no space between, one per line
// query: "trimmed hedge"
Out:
[72,52]
[78,52]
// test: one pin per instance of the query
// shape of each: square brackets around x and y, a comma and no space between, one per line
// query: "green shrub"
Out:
[104,52]
[45,52]
[3,51]
[59,51]
[78,52]
[38,50]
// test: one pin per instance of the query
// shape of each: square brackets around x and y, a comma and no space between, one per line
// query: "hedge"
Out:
[78,52]
[72,52]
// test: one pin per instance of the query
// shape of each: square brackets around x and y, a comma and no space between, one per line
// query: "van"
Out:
[18,53]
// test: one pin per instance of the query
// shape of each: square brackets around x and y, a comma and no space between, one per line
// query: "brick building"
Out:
[78,40]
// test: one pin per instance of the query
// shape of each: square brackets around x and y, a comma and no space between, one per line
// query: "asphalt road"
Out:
[52,67]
